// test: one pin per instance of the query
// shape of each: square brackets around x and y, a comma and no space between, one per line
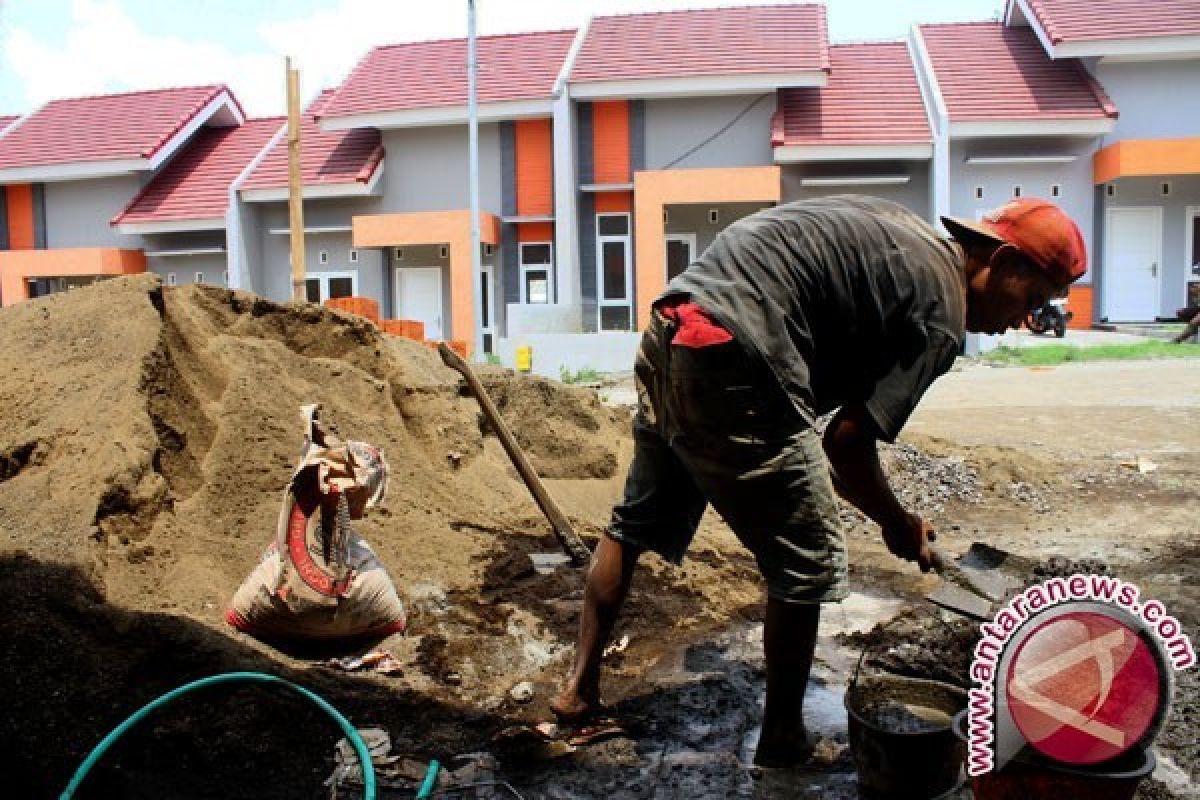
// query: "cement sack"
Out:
[319,579]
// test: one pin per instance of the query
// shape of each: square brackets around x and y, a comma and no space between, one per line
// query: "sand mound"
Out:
[147,435]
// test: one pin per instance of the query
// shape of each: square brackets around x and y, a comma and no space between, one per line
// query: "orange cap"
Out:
[1036,227]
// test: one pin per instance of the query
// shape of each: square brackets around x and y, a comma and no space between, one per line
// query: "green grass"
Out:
[1051,354]
[582,375]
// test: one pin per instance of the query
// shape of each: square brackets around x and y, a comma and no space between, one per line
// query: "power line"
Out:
[722,130]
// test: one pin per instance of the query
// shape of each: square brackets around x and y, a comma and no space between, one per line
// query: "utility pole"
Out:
[295,188]
[473,171]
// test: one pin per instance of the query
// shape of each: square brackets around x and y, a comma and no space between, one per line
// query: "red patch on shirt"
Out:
[695,327]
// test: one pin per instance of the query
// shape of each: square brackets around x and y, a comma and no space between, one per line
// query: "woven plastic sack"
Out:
[319,579]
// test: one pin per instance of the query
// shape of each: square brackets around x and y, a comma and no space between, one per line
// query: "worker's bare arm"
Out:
[851,446]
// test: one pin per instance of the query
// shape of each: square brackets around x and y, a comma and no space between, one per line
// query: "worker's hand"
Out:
[909,538]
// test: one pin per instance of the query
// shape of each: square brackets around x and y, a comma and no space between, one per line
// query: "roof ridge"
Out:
[861,42]
[1044,21]
[191,113]
[665,12]
[444,39]
[962,23]
[132,92]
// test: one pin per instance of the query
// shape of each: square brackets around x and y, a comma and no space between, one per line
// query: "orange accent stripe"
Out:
[1146,158]
[535,166]
[610,141]
[20,217]
[611,202]
[535,232]
[654,190]
[16,266]
[1079,303]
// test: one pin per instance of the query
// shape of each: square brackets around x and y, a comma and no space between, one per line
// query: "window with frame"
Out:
[614,276]
[537,272]
[322,286]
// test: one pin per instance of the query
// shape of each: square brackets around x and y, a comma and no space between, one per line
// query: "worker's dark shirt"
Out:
[847,299]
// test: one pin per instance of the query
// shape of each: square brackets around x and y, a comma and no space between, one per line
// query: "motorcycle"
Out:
[1053,316]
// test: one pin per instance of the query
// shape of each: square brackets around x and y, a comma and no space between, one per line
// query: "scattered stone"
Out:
[522,692]
[1061,567]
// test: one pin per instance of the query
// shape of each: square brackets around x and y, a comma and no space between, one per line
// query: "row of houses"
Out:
[611,155]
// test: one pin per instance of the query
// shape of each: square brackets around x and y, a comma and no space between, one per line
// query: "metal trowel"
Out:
[979,581]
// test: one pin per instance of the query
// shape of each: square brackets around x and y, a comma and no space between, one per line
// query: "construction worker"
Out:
[847,303]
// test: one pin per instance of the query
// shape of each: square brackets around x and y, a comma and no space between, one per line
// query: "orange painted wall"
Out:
[1146,157]
[655,189]
[452,228]
[16,266]
[612,202]
[1079,303]
[610,142]
[535,232]
[535,167]
[19,199]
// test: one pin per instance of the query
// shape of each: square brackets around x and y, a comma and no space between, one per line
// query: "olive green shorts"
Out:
[710,428]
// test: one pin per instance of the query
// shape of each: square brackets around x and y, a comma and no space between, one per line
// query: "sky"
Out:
[68,48]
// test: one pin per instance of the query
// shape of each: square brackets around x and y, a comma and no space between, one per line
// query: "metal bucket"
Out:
[901,739]
[900,734]
[1028,776]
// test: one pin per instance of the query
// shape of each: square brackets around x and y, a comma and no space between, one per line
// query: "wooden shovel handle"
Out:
[572,545]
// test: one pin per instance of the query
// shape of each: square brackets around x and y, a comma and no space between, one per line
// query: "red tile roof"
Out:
[1089,20]
[872,97]
[714,41]
[417,75]
[988,72]
[325,157]
[195,184]
[6,121]
[107,127]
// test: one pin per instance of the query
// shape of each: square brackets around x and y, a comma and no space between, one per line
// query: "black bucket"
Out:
[901,735]
[1029,775]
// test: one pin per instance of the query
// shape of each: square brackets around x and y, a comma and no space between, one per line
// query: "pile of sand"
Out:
[146,435]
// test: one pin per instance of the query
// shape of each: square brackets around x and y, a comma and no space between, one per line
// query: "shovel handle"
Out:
[568,539]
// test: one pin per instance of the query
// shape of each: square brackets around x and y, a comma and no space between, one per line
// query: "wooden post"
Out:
[295,187]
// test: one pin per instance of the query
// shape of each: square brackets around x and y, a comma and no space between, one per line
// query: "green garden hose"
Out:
[356,741]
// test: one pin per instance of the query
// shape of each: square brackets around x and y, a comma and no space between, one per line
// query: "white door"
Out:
[419,297]
[681,250]
[1132,263]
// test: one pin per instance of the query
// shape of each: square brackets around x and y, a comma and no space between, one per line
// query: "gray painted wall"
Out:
[427,169]
[271,272]
[253,248]
[1156,99]
[674,126]
[1075,179]
[693,218]
[185,268]
[277,276]
[914,195]
[1146,192]
[78,212]
[587,260]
